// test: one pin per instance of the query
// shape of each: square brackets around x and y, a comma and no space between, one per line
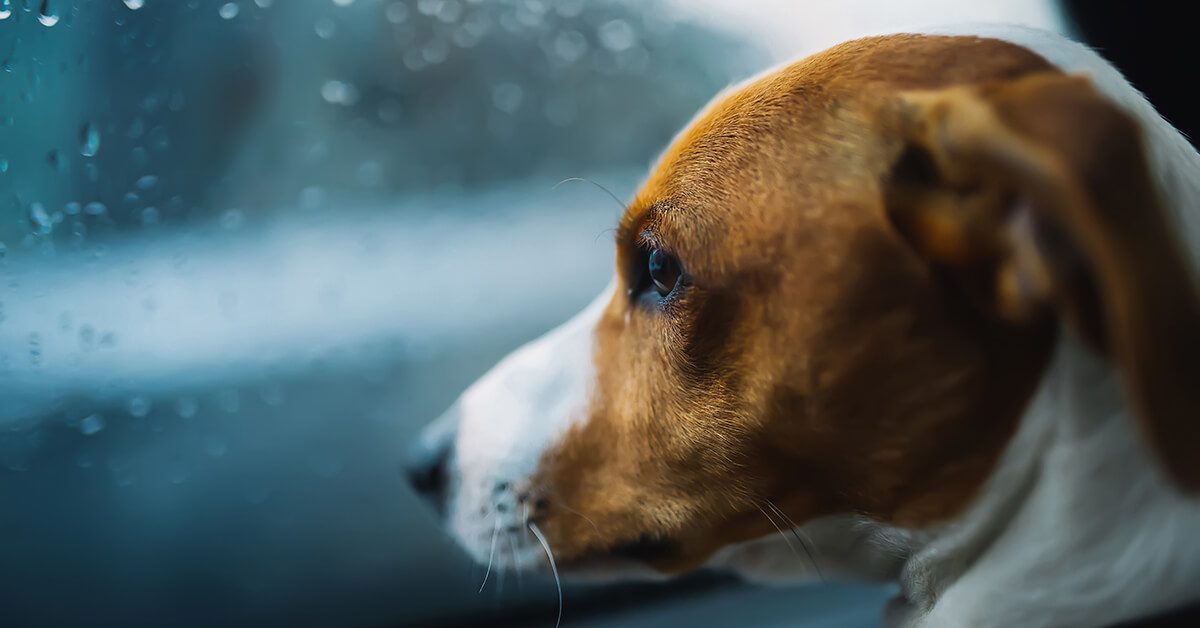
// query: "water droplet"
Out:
[5,9]
[35,348]
[90,138]
[264,4]
[396,12]
[57,159]
[40,219]
[3,165]
[150,216]
[312,197]
[507,97]
[3,250]
[272,395]
[87,335]
[186,407]
[139,407]
[616,35]
[91,424]
[47,15]
[232,219]
[369,173]
[570,46]
[325,28]
[339,93]
[229,10]
[134,5]
[147,182]
[72,208]
[343,3]
[95,208]
[215,446]
[230,400]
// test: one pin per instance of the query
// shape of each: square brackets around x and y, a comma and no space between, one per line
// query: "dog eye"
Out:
[663,269]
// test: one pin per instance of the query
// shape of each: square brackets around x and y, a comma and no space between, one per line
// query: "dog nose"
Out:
[426,469]
[427,465]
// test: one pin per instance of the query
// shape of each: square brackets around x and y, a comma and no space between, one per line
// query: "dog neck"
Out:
[1077,527]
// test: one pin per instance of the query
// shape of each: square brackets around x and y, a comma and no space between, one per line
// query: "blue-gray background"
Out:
[248,248]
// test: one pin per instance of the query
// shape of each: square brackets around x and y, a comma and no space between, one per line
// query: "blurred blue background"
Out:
[248,248]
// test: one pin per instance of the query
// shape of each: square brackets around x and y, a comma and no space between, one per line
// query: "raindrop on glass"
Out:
[95,208]
[147,182]
[264,4]
[343,3]
[47,15]
[57,159]
[507,97]
[272,395]
[339,93]
[232,219]
[229,10]
[91,424]
[89,140]
[396,12]
[616,35]
[215,446]
[186,407]
[3,165]
[139,407]
[325,28]
[230,400]
[40,219]
[5,9]
[35,348]
[134,5]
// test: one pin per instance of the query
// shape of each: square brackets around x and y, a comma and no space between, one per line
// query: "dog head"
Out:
[834,295]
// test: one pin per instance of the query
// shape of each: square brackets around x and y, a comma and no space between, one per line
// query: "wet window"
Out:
[248,248]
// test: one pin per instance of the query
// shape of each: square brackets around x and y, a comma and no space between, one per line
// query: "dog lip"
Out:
[645,549]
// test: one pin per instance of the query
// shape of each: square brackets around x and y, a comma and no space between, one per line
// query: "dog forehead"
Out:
[816,107]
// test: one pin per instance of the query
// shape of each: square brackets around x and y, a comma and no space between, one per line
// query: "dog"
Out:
[926,301]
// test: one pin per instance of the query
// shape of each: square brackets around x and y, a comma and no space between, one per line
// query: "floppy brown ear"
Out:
[1035,195]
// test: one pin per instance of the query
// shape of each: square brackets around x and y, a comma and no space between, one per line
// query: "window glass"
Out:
[248,248]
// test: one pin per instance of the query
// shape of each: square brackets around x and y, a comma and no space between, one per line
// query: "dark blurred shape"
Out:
[1152,45]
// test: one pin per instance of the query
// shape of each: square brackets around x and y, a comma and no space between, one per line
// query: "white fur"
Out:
[506,420]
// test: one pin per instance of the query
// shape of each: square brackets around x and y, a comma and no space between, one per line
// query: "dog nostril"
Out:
[426,470]
[427,479]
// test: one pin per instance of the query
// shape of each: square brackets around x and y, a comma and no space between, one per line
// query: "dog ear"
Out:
[1035,196]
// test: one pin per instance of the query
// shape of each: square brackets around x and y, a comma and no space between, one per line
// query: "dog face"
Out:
[793,331]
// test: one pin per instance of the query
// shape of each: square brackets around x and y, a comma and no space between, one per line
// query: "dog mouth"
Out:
[646,549]
[636,559]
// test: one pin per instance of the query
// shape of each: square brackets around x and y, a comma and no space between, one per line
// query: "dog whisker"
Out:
[553,568]
[516,558]
[581,515]
[491,555]
[619,202]
[795,530]
[781,534]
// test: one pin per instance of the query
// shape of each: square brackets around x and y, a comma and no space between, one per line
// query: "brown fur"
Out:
[819,361]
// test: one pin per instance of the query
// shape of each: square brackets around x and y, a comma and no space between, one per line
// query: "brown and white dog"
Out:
[926,298]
